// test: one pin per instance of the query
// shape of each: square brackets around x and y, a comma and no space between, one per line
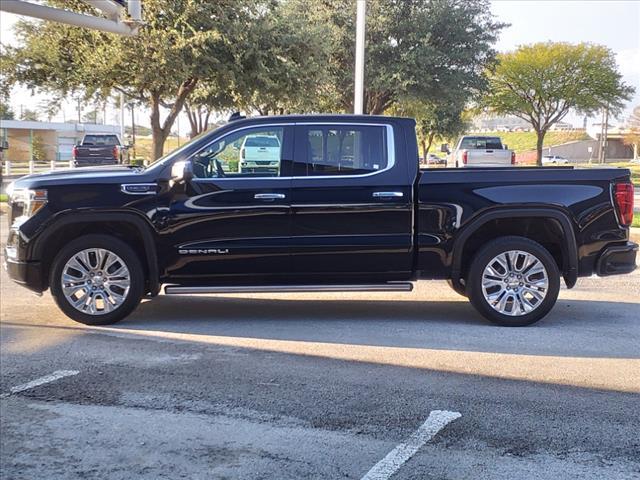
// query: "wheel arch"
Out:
[568,244]
[100,222]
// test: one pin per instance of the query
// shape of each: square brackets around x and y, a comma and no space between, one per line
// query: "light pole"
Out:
[358,99]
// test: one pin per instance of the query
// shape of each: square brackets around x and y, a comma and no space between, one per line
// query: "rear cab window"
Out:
[481,143]
[100,140]
[332,150]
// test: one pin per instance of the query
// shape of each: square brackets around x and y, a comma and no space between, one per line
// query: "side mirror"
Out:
[505,147]
[444,148]
[182,172]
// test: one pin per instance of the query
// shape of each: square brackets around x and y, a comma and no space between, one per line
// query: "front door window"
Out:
[247,153]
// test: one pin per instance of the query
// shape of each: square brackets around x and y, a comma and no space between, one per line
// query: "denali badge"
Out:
[203,251]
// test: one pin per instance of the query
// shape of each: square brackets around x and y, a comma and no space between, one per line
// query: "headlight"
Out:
[28,202]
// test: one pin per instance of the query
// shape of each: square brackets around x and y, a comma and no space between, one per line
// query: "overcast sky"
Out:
[615,24]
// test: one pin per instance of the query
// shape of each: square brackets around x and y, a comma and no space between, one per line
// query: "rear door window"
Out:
[337,150]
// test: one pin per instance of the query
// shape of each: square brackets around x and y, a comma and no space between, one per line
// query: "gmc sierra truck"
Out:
[345,209]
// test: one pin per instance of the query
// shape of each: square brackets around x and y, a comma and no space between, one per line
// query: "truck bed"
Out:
[449,200]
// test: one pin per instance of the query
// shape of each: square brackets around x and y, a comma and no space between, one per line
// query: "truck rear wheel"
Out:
[513,281]
[97,280]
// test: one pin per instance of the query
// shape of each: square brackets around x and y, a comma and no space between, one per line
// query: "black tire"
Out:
[122,250]
[493,249]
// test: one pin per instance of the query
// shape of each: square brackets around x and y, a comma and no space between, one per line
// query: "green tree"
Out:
[182,43]
[6,112]
[415,49]
[441,118]
[541,83]
[38,148]
[289,69]
[29,115]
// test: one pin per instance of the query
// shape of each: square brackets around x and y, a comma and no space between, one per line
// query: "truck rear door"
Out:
[351,201]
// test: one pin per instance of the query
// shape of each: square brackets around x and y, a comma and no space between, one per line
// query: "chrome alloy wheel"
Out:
[95,281]
[515,283]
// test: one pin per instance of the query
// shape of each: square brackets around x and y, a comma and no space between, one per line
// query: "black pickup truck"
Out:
[347,209]
[99,149]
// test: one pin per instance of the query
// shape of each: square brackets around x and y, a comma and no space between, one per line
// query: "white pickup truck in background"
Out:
[480,151]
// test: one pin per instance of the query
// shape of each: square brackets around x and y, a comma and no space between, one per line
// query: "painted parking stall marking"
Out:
[57,375]
[437,420]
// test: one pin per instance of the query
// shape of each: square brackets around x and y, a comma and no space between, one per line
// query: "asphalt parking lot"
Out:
[398,386]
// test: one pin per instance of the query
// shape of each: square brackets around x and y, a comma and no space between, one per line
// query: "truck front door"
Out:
[233,220]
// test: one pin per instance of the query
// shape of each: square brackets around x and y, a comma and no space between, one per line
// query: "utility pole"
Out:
[121,117]
[133,129]
[358,100]
[606,134]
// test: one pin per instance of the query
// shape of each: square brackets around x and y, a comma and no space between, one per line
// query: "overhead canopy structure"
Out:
[120,16]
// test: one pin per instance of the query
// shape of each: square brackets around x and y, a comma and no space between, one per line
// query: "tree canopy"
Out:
[541,83]
[416,49]
[268,56]
[182,44]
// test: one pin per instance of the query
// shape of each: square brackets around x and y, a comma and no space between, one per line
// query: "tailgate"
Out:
[95,152]
[489,157]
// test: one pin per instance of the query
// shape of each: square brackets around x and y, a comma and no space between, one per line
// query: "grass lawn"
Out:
[525,141]
[3,197]
[143,146]
[636,220]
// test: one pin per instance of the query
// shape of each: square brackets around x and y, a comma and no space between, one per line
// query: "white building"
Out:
[57,139]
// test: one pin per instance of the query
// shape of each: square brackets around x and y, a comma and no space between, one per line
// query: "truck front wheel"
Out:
[513,281]
[97,280]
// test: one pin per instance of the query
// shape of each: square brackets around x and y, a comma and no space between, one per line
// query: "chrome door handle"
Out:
[388,194]
[269,196]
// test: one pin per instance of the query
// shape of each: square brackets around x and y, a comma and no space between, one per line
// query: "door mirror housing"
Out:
[505,147]
[444,148]
[182,172]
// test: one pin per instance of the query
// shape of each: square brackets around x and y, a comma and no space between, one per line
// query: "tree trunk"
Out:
[423,144]
[160,131]
[158,134]
[430,142]
[539,143]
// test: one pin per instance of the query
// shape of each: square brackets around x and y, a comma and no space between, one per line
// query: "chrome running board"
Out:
[374,287]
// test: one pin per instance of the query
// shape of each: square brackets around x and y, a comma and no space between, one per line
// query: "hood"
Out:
[86,175]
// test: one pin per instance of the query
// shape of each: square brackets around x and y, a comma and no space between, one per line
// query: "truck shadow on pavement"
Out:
[567,331]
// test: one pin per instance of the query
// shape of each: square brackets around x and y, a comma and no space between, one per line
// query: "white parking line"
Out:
[58,374]
[437,420]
